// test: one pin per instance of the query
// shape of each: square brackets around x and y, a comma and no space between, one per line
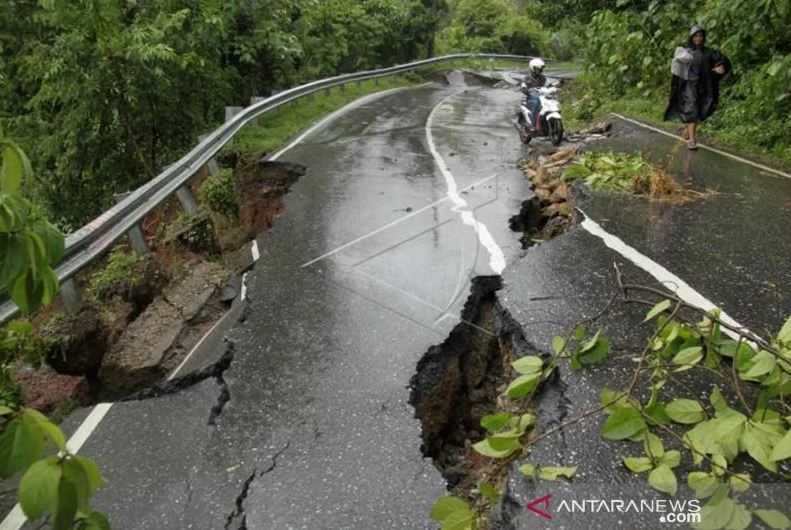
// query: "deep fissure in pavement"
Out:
[458,382]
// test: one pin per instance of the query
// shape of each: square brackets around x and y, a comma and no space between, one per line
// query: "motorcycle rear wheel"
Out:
[555,127]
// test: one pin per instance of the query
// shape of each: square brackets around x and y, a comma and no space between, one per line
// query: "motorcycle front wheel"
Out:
[555,127]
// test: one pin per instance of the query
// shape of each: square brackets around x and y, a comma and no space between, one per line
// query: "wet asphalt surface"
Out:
[367,269]
[732,247]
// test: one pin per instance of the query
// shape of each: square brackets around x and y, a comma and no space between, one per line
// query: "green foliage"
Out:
[494,26]
[275,129]
[454,513]
[548,472]
[119,275]
[160,72]
[217,193]
[29,245]
[627,63]
[621,172]
[19,341]
[61,485]
[715,434]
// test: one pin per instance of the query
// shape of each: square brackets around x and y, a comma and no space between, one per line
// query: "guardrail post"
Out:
[230,112]
[342,86]
[136,237]
[376,81]
[70,295]
[138,240]
[187,199]
[212,164]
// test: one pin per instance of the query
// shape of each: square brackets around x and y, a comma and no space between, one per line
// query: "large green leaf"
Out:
[741,518]
[773,518]
[782,449]
[67,506]
[685,411]
[15,166]
[528,365]
[703,484]
[763,363]
[38,489]
[758,442]
[523,385]
[623,423]
[497,447]
[444,507]
[658,309]
[785,332]
[48,429]
[688,357]
[496,422]
[663,479]
[638,464]
[716,516]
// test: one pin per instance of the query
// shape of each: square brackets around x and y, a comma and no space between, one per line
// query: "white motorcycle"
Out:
[549,123]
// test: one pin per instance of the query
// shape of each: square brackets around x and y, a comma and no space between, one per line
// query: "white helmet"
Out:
[537,65]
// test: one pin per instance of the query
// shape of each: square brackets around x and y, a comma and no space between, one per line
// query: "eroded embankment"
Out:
[141,315]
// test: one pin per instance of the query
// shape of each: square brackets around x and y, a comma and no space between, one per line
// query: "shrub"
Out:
[217,194]
[120,274]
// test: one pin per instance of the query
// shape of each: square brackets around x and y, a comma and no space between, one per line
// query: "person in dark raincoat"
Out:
[695,89]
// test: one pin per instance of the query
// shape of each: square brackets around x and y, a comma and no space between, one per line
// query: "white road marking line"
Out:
[706,147]
[254,250]
[353,105]
[496,255]
[392,224]
[244,286]
[672,282]
[16,518]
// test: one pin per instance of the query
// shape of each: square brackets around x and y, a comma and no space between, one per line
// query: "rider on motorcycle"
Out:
[534,79]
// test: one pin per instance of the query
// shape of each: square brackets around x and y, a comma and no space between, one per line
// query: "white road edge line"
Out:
[496,255]
[16,518]
[254,250]
[669,280]
[353,105]
[706,147]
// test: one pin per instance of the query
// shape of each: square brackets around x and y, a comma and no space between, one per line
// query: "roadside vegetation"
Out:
[673,435]
[626,61]
[273,130]
[103,96]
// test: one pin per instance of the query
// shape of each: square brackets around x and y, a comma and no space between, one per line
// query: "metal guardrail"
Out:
[95,238]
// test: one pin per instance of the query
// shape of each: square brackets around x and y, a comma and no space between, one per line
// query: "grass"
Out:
[583,109]
[275,128]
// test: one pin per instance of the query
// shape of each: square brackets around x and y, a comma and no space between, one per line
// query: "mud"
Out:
[458,382]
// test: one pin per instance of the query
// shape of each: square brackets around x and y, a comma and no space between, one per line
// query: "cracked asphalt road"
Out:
[367,269]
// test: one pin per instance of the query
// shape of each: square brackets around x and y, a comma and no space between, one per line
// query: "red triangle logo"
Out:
[533,506]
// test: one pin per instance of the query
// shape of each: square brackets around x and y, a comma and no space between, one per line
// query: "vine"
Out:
[753,421]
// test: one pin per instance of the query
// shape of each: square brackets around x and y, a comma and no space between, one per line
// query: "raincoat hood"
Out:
[696,29]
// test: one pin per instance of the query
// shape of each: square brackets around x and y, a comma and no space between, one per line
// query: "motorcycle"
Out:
[549,123]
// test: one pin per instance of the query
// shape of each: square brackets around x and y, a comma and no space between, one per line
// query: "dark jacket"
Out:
[696,100]
[534,80]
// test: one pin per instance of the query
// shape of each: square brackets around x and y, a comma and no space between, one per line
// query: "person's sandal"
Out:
[692,145]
